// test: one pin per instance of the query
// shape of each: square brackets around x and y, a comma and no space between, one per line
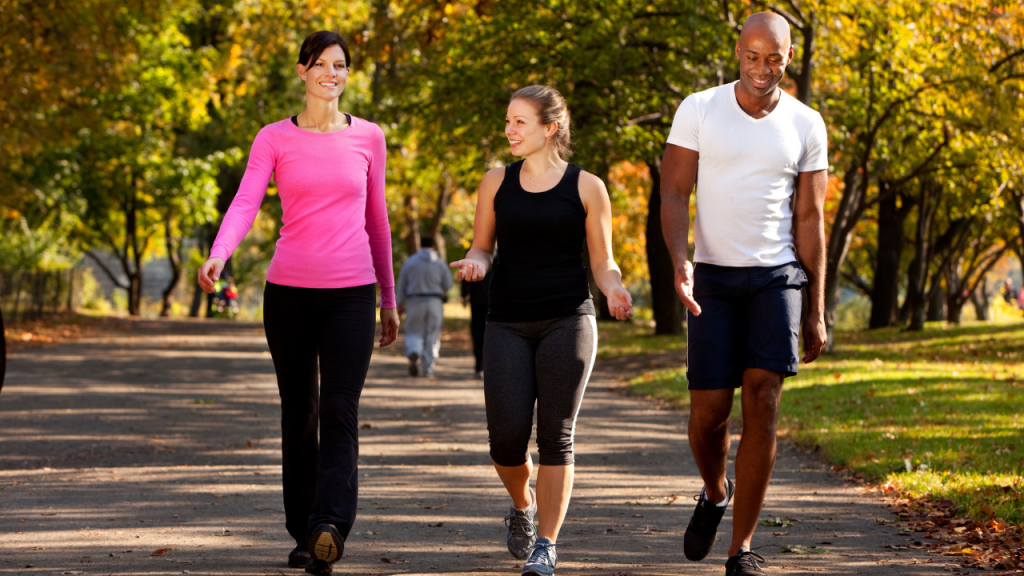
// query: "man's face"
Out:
[763,59]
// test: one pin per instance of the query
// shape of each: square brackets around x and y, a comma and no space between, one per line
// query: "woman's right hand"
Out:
[470,269]
[209,273]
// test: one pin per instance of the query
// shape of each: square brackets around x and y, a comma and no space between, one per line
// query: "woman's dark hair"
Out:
[315,44]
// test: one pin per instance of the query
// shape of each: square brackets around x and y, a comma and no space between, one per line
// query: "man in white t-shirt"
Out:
[758,158]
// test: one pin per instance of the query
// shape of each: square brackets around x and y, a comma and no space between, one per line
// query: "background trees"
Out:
[143,150]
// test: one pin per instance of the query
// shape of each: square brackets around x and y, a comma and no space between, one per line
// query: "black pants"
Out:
[477,326]
[335,326]
[546,363]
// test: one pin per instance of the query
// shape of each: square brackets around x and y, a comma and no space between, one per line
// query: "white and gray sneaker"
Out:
[542,558]
[522,530]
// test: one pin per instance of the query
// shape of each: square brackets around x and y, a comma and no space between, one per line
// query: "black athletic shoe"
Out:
[298,557]
[744,564]
[414,366]
[325,548]
[702,532]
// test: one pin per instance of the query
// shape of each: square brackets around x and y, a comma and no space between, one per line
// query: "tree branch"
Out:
[1006,59]
[106,270]
[794,21]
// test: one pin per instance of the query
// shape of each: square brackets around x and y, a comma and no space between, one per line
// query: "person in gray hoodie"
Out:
[422,285]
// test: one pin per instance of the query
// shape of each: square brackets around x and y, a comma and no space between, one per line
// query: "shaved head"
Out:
[766,25]
[764,50]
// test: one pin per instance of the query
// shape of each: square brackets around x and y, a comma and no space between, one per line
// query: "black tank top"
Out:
[539,273]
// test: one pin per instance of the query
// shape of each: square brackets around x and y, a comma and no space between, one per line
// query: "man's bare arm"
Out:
[809,235]
[678,177]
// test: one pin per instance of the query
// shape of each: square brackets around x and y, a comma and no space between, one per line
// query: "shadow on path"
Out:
[166,436]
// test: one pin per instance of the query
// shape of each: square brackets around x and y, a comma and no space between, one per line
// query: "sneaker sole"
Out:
[326,548]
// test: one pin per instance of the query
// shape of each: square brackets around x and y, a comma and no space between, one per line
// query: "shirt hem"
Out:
[742,263]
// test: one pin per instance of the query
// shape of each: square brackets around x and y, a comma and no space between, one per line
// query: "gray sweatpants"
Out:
[424,317]
[547,363]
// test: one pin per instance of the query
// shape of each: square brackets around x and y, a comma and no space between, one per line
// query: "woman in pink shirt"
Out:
[319,301]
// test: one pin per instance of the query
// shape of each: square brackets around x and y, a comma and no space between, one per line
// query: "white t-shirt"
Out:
[746,174]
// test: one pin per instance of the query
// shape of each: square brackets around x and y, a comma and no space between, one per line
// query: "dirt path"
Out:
[165,436]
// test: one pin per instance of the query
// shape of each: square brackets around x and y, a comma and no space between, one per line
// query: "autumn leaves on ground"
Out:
[934,419]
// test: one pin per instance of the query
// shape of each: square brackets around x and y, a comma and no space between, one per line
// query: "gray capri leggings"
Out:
[547,362]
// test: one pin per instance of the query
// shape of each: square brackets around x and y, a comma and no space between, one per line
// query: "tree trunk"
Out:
[412,229]
[936,299]
[980,300]
[919,267]
[837,248]
[197,294]
[668,310]
[3,351]
[443,197]
[885,293]
[174,258]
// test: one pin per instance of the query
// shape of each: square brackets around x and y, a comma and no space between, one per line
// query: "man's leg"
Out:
[755,459]
[415,320]
[434,321]
[708,431]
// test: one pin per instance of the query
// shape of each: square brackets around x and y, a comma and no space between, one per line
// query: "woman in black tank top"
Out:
[541,336]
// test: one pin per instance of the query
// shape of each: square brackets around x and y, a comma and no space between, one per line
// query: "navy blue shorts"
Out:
[750,318]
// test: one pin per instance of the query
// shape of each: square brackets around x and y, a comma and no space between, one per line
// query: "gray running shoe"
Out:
[414,366]
[522,532]
[542,558]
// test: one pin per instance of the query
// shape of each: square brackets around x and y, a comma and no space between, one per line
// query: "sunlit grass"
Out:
[937,413]
[634,337]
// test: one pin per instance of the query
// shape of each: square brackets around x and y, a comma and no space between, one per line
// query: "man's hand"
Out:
[209,273]
[684,287]
[388,326]
[814,337]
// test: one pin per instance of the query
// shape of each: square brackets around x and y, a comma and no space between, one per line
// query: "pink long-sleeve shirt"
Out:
[335,231]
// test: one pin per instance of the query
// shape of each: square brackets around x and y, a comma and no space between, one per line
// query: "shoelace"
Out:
[541,549]
[523,523]
[747,558]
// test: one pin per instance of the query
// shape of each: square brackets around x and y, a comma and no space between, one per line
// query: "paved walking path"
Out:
[164,437]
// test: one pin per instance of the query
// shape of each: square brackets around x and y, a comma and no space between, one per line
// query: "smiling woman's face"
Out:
[325,78]
[523,129]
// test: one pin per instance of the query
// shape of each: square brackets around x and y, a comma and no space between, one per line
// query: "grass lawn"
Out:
[938,413]
[636,337]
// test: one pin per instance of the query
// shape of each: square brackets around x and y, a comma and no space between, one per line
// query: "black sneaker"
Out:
[414,366]
[298,557]
[542,558]
[325,548]
[702,532]
[744,564]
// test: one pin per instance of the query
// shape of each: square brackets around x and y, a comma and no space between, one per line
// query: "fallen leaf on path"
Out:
[390,561]
[445,505]
[780,522]
[804,550]
[159,551]
[367,426]
[428,410]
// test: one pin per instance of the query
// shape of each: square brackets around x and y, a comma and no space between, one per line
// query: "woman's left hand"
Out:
[620,303]
[388,326]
